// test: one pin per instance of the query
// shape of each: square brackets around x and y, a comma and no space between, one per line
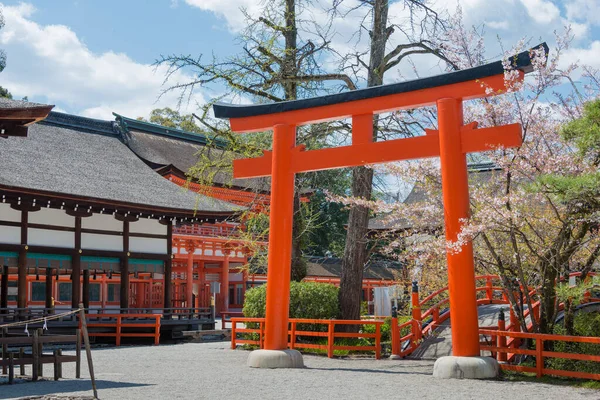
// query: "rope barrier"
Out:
[41,319]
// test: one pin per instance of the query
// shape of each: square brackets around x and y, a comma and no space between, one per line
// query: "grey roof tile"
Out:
[83,157]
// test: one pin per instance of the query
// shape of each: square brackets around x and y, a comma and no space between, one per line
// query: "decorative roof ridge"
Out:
[155,129]
[90,125]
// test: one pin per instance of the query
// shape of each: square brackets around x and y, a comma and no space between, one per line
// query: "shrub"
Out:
[307,300]
[585,324]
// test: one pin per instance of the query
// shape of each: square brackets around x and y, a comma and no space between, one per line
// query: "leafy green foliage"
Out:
[586,324]
[585,131]
[307,300]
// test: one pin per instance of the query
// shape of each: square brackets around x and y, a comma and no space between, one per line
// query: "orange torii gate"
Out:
[451,142]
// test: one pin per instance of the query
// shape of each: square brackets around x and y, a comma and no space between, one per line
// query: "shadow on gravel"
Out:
[65,386]
[371,371]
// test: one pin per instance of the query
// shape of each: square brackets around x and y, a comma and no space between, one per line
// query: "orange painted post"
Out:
[225,280]
[330,339]
[118,333]
[501,356]
[416,312]
[395,337]
[157,330]
[293,335]
[378,339]
[261,334]
[280,239]
[189,284]
[539,357]
[461,269]
[233,333]
[489,291]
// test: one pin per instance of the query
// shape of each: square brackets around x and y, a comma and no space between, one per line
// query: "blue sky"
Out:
[92,57]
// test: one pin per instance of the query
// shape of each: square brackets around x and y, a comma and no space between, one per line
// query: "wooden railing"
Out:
[37,358]
[502,351]
[226,317]
[120,321]
[295,333]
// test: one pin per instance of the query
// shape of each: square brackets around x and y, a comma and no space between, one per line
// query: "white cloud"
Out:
[501,25]
[541,11]
[50,62]
[584,10]
[586,55]
[230,10]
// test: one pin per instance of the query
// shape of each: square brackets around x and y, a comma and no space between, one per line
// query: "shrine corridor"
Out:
[212,370]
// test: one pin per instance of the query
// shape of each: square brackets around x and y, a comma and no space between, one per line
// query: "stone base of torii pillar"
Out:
[275,359]
[451,367]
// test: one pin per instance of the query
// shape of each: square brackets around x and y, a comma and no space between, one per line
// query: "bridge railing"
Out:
[295,332]
[502,351]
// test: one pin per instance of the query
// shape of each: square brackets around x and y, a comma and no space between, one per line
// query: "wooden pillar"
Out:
[189,284]
[225,280]
[125,267]
[86,289]
[76,267]
[49,283]
[461,268]
[280,239]
[4,288]
[22,263]
[167,290]
[201,286]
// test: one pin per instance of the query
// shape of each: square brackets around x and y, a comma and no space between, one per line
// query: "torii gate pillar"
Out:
[275,353]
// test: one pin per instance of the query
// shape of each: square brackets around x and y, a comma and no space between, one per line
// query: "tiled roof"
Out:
[83,157]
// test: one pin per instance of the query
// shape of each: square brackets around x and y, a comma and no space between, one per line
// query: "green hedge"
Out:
[585,324]
[307,300]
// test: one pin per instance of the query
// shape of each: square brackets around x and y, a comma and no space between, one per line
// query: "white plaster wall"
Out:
[49,216]
[148,245]
[8,214]
[10,234]
[105,222]
[148,226]
[46,237]
[94,241]
[208,252]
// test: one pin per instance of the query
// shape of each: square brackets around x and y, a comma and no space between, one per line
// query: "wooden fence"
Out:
[120,321]
[295,334]
[502,351]
[37,358]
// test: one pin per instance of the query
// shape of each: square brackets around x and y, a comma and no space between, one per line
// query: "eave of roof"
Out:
[148,127]
[521,61]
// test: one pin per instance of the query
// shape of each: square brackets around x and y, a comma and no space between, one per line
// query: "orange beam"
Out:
[418,98]
[381,152]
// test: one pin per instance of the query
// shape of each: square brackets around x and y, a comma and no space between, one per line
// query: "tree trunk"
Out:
[290,87]
[355,251]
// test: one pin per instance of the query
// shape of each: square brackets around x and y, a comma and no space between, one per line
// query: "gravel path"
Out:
[212,370]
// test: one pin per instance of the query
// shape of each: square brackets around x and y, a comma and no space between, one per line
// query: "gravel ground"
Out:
[212,370]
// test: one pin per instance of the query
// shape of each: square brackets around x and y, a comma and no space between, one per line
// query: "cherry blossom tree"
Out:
[534,213]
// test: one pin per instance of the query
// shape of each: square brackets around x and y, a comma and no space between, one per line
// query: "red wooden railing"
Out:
[501,351]
[115,321]
[294,333]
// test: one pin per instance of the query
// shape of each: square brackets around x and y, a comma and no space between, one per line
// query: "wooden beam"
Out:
[125,267]
[4,288]
[86,289]
[168,268]
[406,100]
[48,294]
[381,152]
[76,266]
[22,263]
